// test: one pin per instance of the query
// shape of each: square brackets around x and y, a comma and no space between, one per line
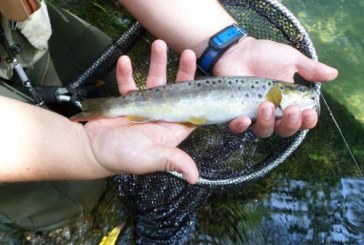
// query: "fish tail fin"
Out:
[91,109]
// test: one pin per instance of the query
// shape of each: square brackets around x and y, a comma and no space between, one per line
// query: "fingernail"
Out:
[267,113]
[330,69]
[241,127]
[189,179]
[309,118]
[331,72]
[186,177]
[293,117]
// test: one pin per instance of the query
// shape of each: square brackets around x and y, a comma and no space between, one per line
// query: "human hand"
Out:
[122,146]
[264,58]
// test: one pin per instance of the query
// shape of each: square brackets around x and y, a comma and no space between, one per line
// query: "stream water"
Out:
[336,30]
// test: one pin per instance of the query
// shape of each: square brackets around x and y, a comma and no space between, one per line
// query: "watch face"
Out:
[226,37]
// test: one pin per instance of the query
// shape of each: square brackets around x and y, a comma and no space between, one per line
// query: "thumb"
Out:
[174,159]
[315,71]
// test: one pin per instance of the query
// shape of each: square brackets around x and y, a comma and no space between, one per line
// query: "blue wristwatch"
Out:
[219,44]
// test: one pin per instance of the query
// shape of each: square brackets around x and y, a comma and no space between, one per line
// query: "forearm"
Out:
[37,144]
[183,24]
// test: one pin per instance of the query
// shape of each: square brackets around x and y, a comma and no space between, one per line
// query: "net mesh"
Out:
[163,204]
[224,158]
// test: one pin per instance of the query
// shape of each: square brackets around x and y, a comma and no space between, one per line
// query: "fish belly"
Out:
[208,110]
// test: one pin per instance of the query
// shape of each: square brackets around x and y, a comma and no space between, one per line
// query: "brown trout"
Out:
[207,101]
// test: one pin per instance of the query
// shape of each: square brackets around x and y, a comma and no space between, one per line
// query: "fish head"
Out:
[299,95]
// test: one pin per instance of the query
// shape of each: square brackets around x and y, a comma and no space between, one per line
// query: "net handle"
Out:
[106,60]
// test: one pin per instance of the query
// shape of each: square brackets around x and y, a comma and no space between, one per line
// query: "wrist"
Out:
[218,44]
[97,163]
[230,63]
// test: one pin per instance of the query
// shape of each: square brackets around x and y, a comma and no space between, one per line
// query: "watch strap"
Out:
[218,45]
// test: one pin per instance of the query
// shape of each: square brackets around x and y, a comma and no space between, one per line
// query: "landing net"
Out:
[163,204]
[224,158]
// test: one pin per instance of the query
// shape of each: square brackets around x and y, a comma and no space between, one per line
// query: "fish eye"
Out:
[302,89]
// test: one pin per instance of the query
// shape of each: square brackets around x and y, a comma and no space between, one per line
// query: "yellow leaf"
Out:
[111,238]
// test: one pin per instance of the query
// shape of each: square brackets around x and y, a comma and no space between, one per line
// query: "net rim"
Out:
[298,137]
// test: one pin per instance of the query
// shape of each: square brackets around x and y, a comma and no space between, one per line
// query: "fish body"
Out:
[207,101]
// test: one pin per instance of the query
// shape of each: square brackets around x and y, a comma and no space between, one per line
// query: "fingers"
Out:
[157,70]
[239,124]
[264,125]
[174,159]
[309,119]
[187,66]
[290,122]
[158,65]
[315,71]
[124,75]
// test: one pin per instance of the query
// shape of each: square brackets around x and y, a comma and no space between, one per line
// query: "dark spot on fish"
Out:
[230,82]
[260,96]
[236,81]
[207,81]
[214,82]
[253,87]
[198,84]
[281,87]
[232,96]
[239,88]
[269,83]
[257,82]
[247,95]
[219,81]
[157,89]
[242,82]
[264,87]
[189,83]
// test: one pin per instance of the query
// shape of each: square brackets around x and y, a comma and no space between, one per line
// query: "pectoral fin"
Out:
[274,95]
[197,120]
